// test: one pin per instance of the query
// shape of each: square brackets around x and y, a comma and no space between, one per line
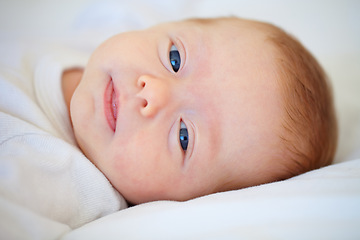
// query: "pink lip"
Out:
[111,105]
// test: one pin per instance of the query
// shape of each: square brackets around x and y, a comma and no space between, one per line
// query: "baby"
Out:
[190,108]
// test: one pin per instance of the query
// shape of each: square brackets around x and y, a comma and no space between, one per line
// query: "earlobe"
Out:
[69,82]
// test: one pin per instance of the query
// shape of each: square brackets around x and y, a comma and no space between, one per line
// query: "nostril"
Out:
[141,83]
[145,103]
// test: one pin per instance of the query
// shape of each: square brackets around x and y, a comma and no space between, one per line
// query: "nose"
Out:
[154,93]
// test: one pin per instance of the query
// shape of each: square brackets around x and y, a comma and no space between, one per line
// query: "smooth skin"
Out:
[225,92]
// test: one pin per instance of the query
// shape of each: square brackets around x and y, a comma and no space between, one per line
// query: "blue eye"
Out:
[175,59]
[183,136]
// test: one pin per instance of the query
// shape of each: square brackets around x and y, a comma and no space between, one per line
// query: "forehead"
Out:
[230,55]
[232,67]
[236,65]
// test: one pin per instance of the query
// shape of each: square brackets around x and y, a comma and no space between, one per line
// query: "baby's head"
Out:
[190,108]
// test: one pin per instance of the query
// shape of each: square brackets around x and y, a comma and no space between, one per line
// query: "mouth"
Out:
[111,105]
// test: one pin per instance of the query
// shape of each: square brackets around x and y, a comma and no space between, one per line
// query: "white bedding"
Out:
[319,205]
[322,204]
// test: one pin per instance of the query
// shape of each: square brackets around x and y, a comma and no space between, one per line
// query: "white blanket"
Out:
[322,204]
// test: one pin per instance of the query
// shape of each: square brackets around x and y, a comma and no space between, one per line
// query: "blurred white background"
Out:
[325,26]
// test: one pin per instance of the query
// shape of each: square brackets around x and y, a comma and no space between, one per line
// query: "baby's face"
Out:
[180,110]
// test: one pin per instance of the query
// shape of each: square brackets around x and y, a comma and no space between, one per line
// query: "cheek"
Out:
[135,158]
[141,170]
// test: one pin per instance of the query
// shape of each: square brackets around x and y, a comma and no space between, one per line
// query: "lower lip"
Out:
[110,102]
